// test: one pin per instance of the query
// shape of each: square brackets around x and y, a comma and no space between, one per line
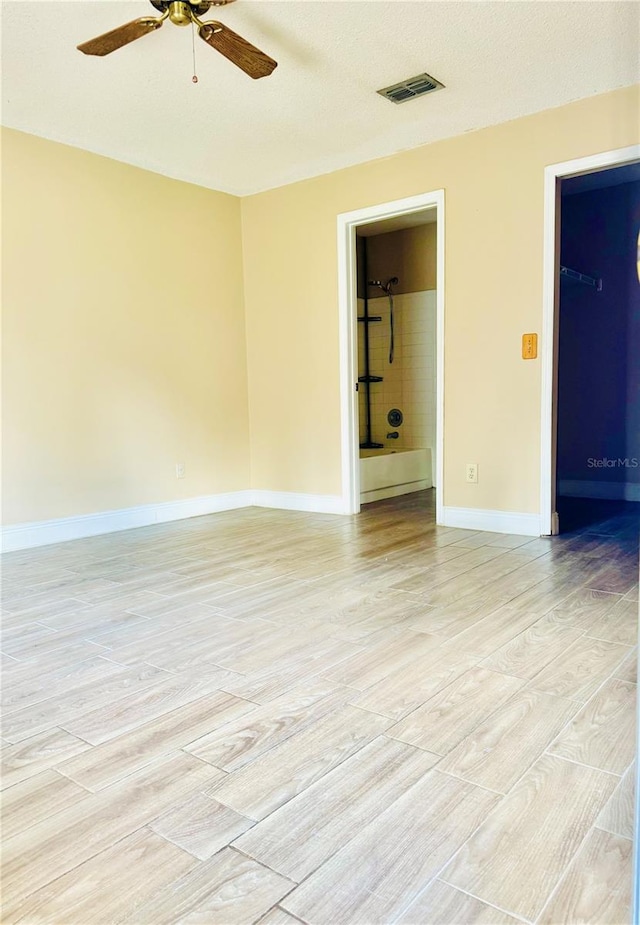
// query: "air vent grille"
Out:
[411,88]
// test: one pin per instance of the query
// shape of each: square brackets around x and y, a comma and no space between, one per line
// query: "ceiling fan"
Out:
[243,54]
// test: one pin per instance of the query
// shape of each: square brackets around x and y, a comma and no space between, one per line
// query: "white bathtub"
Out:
[386,473]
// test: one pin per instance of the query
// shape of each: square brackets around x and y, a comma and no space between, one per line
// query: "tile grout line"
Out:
[558,885]
[515,915]
[609,677]
[581,764]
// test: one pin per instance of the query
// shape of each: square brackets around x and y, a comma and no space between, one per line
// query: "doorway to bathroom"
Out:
[391,268]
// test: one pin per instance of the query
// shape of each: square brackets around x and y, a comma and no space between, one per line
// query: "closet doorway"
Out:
[591,343]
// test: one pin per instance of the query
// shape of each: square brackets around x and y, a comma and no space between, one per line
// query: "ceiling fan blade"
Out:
[110,41]
[243,54]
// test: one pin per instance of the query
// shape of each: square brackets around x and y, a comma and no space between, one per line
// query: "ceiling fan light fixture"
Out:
[180,13]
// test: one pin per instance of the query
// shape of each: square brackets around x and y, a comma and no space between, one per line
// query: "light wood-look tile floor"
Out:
[275,717]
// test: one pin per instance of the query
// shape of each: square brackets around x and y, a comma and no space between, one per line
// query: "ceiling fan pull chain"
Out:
[194,79]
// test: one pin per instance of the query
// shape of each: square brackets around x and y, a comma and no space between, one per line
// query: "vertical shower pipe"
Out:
[365,325]
[367,378]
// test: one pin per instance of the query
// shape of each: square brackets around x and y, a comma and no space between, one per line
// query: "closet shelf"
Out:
[577,277]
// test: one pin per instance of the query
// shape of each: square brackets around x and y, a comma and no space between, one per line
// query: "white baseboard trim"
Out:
[45,532]
[393,491]
[297,501]
[493,521]
[606,491]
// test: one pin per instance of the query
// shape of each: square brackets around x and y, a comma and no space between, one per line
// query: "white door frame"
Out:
[347,297]
[550,284]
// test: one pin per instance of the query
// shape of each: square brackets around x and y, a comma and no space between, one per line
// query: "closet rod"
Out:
[581,278]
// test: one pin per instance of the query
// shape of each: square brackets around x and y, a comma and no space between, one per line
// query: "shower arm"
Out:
[386,287]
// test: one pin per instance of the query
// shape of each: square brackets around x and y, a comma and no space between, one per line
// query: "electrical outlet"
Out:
[180,470]
[472,472]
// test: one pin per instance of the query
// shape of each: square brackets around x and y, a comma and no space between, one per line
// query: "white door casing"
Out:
[347,300]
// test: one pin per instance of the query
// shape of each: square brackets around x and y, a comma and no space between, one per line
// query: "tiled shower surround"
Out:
[409,383]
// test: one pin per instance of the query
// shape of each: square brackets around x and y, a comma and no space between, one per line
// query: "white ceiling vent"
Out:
[411,88]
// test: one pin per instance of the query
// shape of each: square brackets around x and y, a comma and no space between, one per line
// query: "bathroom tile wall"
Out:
[409,383]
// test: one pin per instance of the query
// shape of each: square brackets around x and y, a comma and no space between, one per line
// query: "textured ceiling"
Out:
[319,111]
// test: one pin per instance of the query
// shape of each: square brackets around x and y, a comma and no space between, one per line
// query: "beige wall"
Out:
[409,254]
[123,335]
[493,181]
[124,343]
